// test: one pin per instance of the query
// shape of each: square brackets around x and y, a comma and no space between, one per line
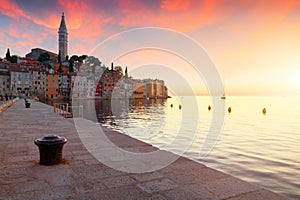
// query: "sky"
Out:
[254,45]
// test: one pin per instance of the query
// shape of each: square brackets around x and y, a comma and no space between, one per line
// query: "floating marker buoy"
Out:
[171,105]
[229,109]
[179,107]
[209,108]
[264,111]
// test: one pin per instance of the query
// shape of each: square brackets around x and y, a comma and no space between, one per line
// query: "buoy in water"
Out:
[229,109]
[209,108]
[171,105]
[179,107]
[264,111]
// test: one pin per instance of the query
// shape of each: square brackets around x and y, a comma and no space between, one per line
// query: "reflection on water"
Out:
[258,148]
[108,111]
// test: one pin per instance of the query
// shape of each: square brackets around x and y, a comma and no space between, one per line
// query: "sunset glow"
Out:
[296,79]
[255,45]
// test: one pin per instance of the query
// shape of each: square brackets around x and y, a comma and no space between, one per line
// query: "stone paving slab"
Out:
[81,176]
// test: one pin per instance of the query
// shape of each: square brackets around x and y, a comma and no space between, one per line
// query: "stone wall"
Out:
[7,104]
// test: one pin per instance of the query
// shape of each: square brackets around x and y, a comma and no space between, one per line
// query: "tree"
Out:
[82,58]
[74,59]
[60,70]
[119,69]
[58,58]
[7,56]
[71,66]
[71,62]
[13,59]
[92,62]
[126,73]
[44,57]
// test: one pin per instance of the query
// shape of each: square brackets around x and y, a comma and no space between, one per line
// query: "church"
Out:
[62,45]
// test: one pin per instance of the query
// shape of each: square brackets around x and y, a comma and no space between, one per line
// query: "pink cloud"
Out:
[87,24]
[49,21]
[75,10]
[11,9]
[179,15]
[175,5]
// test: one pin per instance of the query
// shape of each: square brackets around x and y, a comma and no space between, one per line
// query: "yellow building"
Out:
[155,89]
[139,90]
[51,86]
[150,89]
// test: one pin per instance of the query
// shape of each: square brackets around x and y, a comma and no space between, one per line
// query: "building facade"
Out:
[4,80]
[108,81]
[37,81]
[51,86]
[20,80]
[36,52]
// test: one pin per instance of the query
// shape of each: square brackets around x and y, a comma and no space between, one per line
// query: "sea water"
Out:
[261,148]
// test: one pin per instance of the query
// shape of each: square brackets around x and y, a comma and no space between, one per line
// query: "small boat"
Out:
[223,97]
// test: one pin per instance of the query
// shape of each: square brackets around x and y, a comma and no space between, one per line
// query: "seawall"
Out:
[6,104]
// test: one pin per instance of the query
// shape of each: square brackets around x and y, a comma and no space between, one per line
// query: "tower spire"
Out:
[63,26]
[63,39]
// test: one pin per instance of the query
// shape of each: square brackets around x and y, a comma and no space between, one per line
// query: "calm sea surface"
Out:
[258,148]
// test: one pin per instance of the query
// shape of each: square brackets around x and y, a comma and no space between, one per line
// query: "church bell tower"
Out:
[63,39]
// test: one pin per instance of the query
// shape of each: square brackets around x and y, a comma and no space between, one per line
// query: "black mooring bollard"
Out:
[27,105]
[50,147]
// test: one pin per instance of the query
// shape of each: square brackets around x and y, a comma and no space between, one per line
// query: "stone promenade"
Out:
[81,176]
